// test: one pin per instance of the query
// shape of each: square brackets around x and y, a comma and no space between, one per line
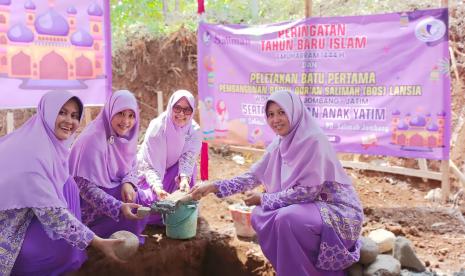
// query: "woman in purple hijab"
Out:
[40,228]
[309,219]
[103,163]
[168,156]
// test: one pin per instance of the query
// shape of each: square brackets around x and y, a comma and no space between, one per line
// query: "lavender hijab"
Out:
[303,157]
[34,163]
[164,142]
[99,154]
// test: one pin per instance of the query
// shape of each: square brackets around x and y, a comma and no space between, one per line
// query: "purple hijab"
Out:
[99,154]
[164,142]
[303,157]
[34,163]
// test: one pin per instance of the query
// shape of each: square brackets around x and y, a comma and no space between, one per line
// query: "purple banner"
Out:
[54,45]
[378,84]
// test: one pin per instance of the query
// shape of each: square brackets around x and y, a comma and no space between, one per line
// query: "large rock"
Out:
[369,251]
[404,252]
[126,249]
[383,238]
[384,265]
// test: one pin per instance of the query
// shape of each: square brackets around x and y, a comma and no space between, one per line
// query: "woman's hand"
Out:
[126,209]
[128,194]
[253,198]
[184,184]
[161,194]
[107,246]
[199,191]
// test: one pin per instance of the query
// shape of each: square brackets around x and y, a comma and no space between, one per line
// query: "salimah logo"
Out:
[430,30]
[227,40]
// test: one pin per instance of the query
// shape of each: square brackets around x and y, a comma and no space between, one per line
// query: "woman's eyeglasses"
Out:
[178,109]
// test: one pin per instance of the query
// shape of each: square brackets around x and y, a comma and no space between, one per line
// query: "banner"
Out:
[377,84]
[54,45]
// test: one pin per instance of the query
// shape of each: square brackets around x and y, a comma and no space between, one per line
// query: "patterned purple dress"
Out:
[321,224]
[310,217]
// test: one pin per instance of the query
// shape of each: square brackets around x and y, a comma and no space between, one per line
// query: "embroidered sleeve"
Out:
[13,227]
[101,202]
[187,163]
[152,177]
[293,195]
[188,159]
[131,177]
[237,184]
[60,223]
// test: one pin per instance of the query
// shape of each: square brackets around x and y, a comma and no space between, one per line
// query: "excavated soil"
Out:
[392,202]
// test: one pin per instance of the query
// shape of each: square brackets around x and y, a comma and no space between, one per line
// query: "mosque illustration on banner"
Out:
[49,50]
[417,133]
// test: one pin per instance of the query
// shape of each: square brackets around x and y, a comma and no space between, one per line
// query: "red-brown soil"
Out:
[392,202]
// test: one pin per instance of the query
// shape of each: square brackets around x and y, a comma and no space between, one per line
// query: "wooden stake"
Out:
[423,166]
[160,102]
[308,8]
[454,64]
[87,115]
[445,185]
[10,122]
[457,172]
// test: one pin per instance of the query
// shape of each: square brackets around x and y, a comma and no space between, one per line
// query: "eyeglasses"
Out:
[186,111]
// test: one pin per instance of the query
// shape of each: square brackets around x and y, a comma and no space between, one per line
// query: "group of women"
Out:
[64,196]
[67,195]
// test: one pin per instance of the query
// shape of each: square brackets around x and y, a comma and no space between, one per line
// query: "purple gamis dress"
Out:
[310,217]
[101,161]
[39,202]
[168,152]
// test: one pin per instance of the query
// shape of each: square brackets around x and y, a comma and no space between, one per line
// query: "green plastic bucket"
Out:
[182,224]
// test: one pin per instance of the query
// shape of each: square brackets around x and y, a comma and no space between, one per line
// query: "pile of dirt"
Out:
[211,252]
[147,65]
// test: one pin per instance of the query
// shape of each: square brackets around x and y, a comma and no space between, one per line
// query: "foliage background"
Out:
[162,17]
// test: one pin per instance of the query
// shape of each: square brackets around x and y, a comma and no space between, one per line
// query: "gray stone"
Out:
[406,272]
[404,252]
[355,270]
[384,265]
[368,251]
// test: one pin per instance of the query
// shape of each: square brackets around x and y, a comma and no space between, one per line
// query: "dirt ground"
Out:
[392,202]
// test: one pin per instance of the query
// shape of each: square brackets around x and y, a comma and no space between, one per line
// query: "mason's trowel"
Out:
[167,205]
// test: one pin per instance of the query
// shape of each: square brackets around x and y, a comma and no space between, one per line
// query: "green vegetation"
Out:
[161,17]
